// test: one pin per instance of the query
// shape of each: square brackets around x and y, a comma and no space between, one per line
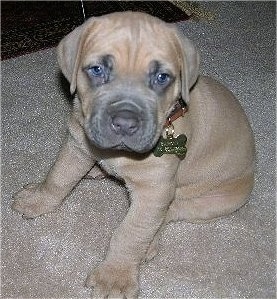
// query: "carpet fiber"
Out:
[49,257]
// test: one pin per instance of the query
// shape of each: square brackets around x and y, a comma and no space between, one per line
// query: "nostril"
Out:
[125,123]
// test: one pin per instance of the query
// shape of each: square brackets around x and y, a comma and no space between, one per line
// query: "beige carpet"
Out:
[49,257]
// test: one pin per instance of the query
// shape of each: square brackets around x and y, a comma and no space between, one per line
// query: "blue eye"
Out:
[97,71]
[162,78]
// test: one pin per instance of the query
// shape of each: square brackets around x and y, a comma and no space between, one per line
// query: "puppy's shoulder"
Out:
[208,83]
[211,101]
[212,92]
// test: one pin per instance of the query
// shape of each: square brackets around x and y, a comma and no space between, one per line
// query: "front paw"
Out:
[33,201]
[114,281]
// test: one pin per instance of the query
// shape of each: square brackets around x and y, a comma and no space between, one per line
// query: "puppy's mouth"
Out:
[123,147]
[122,143]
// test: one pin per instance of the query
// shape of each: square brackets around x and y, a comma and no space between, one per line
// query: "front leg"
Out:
[71,165]
[117,276]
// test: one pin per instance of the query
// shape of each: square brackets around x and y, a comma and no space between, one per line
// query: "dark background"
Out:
[29,26]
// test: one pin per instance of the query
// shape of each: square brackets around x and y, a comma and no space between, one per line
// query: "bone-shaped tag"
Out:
[171,145]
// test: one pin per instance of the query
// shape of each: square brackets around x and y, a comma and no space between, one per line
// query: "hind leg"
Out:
[217,203]
[225,199]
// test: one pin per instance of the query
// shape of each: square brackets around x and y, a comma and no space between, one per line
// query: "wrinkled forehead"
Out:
[134,43]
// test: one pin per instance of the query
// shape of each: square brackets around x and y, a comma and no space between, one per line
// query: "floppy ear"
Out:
[190,60]
[68,52]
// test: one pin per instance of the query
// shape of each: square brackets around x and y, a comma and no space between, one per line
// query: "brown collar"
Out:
[179,109]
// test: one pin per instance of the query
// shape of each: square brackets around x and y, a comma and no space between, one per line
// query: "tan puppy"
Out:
[130,70]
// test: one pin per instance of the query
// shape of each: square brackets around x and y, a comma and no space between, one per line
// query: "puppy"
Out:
[139,98]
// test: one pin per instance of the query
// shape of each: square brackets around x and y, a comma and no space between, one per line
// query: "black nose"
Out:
[125,123]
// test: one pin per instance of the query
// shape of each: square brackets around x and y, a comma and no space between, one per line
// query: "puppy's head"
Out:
[129,69]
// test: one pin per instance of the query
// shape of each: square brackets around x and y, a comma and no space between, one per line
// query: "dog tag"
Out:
[171,145]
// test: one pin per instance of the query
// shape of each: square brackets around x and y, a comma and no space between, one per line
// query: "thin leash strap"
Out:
[83,10]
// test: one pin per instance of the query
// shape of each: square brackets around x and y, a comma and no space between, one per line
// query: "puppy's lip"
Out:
[123,147]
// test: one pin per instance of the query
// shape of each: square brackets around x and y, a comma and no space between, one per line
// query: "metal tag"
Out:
[171,145]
